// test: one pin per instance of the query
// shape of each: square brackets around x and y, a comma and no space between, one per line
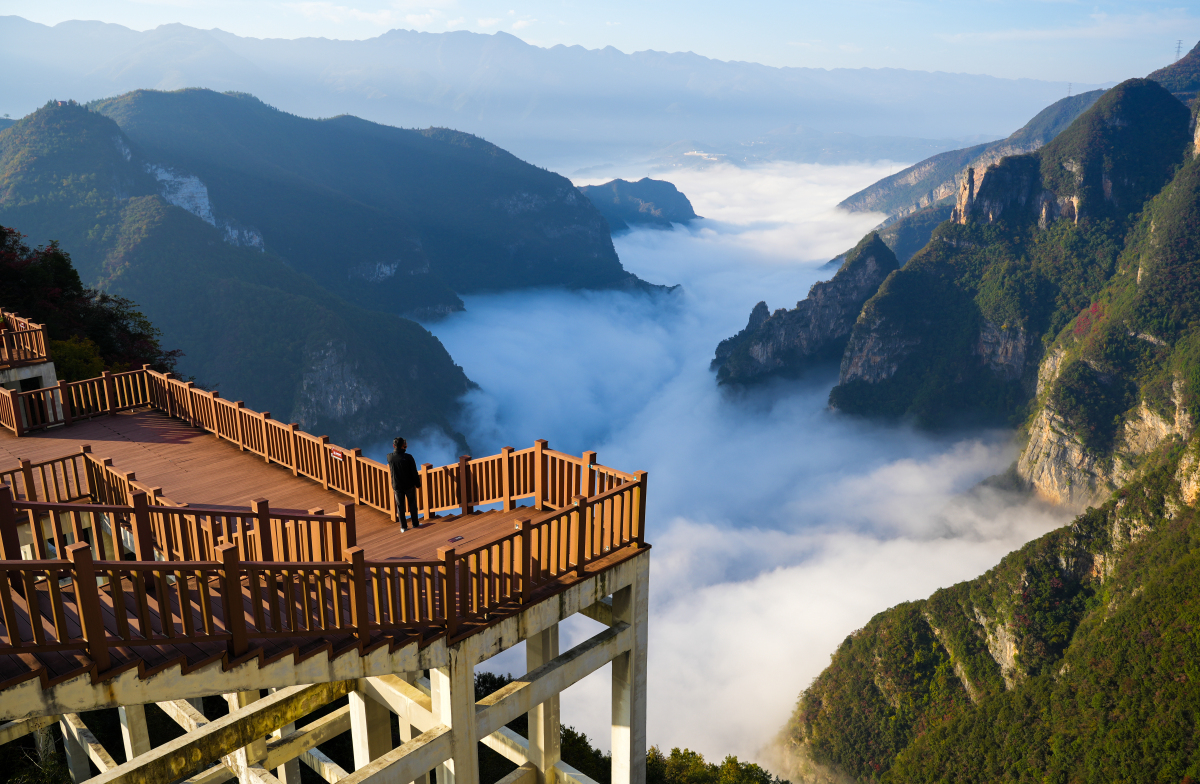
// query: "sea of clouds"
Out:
[778,526]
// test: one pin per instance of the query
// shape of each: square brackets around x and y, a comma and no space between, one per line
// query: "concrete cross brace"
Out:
[186,755]
[19,729]
[526,774]
[323,766]
[81,735]
[408,762]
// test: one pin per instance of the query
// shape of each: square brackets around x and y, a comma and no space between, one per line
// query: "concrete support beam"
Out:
[134,734]
[77,758]
[544,738]
[408,762]
[630,606]
[508,744]
[525,774]
[452,694]
[260,775]
[600,611]
[82,740]
[569,775]
[241,760]
[293,745]
[323,766]
[191,753]
[370,727]
[288,772]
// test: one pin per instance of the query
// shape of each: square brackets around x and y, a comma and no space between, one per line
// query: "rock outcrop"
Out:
[647,202]
[787,342]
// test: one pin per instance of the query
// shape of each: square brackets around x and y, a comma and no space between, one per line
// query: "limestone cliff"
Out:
[787,342]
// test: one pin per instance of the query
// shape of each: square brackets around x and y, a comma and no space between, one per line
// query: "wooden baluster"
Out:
[539,473]
[506,478]
[349,526]
[87,598]
[231,599]
[449,580]
[464,485]
[358,595]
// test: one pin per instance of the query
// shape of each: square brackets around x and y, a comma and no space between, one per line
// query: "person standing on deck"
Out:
[404,482]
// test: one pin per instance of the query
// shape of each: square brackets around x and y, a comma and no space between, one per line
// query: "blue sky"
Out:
[1046,39]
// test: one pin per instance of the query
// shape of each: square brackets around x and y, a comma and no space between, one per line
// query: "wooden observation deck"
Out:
[153,532]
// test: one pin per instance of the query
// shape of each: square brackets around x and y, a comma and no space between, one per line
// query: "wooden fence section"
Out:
[214,575]
[550,478]
[21,341]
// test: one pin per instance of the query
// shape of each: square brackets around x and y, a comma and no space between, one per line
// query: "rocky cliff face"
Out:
[788,341]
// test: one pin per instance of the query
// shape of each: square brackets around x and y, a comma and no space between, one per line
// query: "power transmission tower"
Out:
[1178,49]
[1069,86]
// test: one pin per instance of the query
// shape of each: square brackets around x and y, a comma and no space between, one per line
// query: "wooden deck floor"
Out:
[193,466]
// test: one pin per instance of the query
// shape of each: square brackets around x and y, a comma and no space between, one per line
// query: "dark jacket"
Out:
[404,471]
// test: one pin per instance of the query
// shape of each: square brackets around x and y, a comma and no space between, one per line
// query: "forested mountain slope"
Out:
[1074,659]
[247,321]
[428,214]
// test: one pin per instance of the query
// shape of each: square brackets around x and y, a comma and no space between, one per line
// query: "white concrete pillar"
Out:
[134,734]
[370,729]
[241,760]
[43,741]
[406,727]
[631,605]
[545,737]
[288,772]
[77,758]
[452,691]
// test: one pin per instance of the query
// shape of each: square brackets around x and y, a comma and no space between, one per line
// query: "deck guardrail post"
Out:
[526,526]
[143,537]
[323,445]
[506,472]
[238,405]
[464,485]
[231,600]
[349,526]
[358,594]
[588,479]
[110,393]
[10,540]
[539,473]
[88,598]
[581,537]
[262,424]
[262,523]
[27,478]
[294,448]
[640,536]
[426,502]
[355,456]
[191,403]
[449,590]
[64,401]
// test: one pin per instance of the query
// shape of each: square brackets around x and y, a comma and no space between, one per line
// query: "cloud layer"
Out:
[778,526]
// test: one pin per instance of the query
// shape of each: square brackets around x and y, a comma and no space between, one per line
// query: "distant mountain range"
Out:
[549,106]
[279,253]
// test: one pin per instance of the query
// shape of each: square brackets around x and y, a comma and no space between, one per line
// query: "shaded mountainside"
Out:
[247,321]
[430,213]
[934,181]
[787,342]
[1071,660]
[647,202]
[960,330]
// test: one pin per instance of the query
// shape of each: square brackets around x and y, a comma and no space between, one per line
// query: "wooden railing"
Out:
[550,478]
[21,341]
